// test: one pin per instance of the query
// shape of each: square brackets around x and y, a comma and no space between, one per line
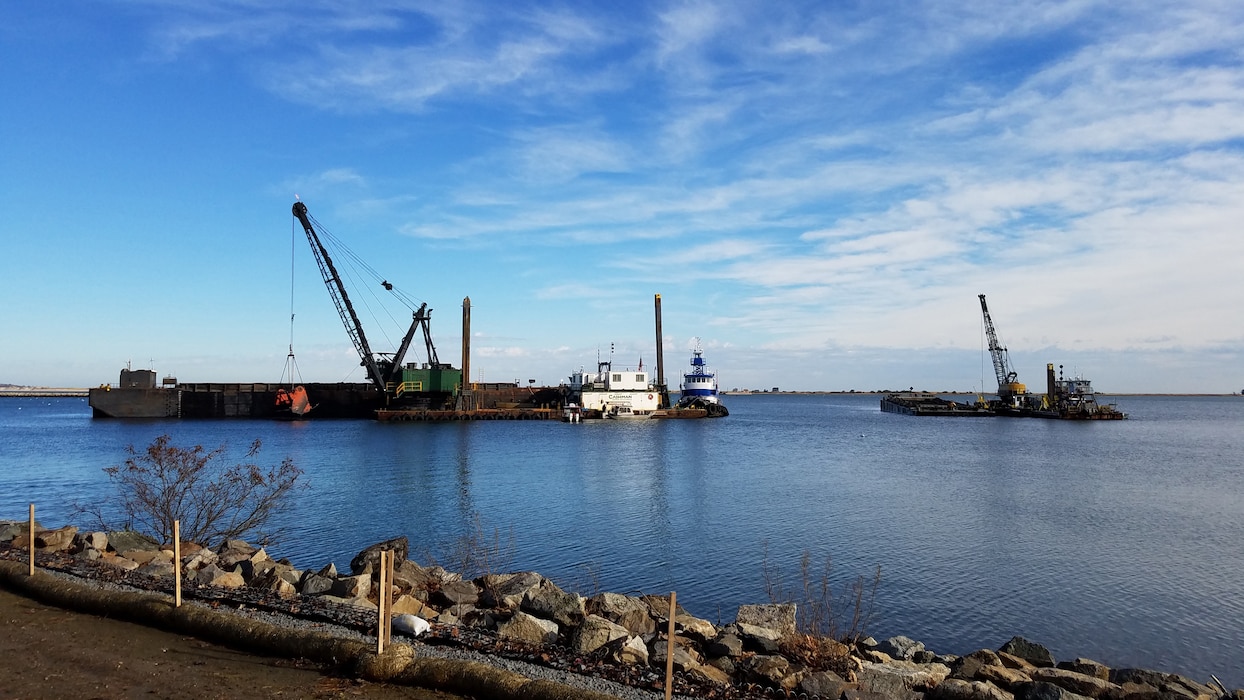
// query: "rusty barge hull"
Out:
[248,400]
[230,400]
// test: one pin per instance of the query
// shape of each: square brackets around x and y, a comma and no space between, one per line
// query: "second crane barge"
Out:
[1065,399]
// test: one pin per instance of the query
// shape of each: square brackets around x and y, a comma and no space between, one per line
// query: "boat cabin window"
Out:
[639,377]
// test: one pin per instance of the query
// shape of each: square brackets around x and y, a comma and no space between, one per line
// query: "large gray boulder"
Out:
[351,587]
[1040,690]
[234,552]
[529,628]
[967,667]
[897,676]
[1088,667]
[1031,652]
[228,579]
[1006,678]
[826,684]
[726,644]
[552,603]
[594,633]
[1077,683]
[252,569]
[632,651]
[156,568]
[624,610]
[199,559]
[763,640]
[91,540]
[697,629]
[11,530]
[316,584]
[456,594]
[685,658]
[771,670]
[779,617]
[206,574]
[56,540]
[365,561]
[128,541]
[902,648]
[958,689]
[409,576]
[506,591]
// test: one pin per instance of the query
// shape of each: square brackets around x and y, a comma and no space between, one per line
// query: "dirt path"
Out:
[47,652]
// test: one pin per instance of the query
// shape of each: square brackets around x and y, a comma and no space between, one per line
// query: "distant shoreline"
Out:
[41,392]
[758,392]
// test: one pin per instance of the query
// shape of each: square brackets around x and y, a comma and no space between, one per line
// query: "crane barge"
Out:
[432,385]
[1066,399]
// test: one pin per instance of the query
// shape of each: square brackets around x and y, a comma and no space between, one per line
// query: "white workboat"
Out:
[610,393]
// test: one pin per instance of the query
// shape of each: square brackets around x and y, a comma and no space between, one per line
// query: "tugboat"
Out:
[1074,399]
[699,386]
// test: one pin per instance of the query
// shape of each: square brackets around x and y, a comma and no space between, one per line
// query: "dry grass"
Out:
[823,612]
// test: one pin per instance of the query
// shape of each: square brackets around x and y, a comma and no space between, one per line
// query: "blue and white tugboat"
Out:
[699,386]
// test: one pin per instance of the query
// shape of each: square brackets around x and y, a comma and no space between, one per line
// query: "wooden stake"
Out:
[32,539]
[669,650]
[380,604]
[388,604]
[177,563]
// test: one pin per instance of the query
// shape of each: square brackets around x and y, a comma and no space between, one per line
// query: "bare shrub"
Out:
[587,581]
[477,552]
[163,483]
[842,615]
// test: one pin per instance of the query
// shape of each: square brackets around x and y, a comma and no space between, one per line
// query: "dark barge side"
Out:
[137,395]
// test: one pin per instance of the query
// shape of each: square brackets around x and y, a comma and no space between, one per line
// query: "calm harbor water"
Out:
[1119,541]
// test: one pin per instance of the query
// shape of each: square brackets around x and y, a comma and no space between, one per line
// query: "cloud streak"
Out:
[811,176]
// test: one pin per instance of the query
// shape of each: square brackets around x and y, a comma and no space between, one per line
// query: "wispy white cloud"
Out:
[813,176]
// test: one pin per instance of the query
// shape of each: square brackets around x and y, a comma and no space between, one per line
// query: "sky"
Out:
[818,191]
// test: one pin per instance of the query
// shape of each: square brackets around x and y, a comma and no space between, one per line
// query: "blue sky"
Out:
[818,190]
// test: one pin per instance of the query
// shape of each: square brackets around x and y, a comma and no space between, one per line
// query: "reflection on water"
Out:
[1118,541]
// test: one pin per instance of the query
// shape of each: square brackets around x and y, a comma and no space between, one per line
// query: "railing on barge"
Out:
[385,415]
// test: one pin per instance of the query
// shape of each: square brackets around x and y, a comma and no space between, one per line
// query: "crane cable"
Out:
[351,266]
[291,364]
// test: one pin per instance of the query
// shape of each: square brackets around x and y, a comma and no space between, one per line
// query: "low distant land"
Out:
[883,392]
[40,391]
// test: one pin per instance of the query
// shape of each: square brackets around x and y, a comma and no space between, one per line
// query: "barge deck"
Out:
[915,403]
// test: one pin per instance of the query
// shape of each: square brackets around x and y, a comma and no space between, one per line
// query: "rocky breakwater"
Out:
[525,616]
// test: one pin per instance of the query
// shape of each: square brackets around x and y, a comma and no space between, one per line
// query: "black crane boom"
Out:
[341,299]
[382,369]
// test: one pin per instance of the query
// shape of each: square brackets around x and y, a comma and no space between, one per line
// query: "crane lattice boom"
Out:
[341,299]
[1001,360]
[382,369]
